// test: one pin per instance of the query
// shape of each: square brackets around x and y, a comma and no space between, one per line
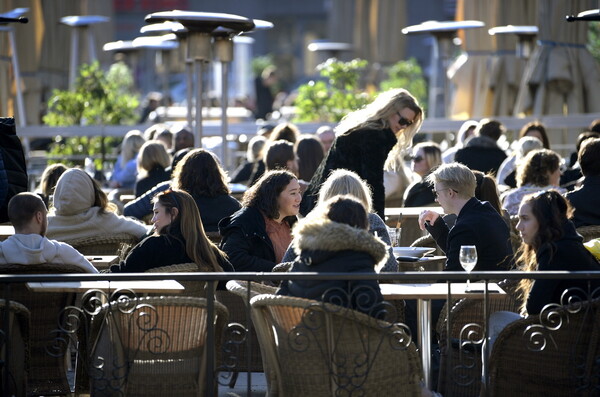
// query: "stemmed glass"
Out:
[468,259]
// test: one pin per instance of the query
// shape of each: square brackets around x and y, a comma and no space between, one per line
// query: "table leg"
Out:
[424,327]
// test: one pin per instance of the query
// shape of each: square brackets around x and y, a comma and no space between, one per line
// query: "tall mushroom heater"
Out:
[200,25]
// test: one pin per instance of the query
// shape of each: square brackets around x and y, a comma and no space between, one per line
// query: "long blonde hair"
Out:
[344,182]
[197,246]
[376,114]
[131,145]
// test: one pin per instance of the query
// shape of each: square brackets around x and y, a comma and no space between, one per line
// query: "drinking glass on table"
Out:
[394,236]
[468,259]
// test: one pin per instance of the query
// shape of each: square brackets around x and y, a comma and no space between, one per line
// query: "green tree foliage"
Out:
[594,39]
[408,75]
[97,99]
[330,101]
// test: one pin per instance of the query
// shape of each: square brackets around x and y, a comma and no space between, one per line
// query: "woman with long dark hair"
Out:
[178,238]
[256,237]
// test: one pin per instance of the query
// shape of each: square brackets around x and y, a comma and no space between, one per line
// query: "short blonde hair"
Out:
[152,153]
[455,176]
[344,182]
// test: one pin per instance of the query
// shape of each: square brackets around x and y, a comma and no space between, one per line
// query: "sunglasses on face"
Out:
[404,121]
[416,159]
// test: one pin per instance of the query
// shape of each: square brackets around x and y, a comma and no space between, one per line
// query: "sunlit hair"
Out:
[526,145]
[200,174]
[278,153]
[152,154]
[589,157]
[187,223]
[551,210]
[536,168]
[50,177]
[462,134]
[264,193]
[455,176]
[131,145]
[487,190]
[376,114]
[100,198]
[255,148]
[347,210]
[536,126]
[152,132]
[22,208]
[286,131]
[432,152]
[309,151]
[344,182]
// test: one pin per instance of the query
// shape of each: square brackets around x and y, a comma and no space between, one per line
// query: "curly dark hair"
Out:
[264,193]
[537,167]
[200,174]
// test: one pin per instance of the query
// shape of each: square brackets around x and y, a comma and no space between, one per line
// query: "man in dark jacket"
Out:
[482,152]
[477,223]
[585,199]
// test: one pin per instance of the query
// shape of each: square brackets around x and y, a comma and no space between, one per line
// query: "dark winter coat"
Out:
[478,224]
[245,241]
[362,151]
[156,175]
[567,253]
[419,194]
[324,246]
[482,154]
[13,174]
[585,202]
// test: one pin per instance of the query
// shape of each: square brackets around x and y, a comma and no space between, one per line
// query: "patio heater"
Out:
[162,45]
[328,49]
[443,34]
[526,36]
[589,15]
[15,16]
[200,25]
[81,24]
[223,46]
[180,33]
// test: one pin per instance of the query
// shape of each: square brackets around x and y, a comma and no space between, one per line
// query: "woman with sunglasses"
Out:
[178,238]
[426,157]
[364,140]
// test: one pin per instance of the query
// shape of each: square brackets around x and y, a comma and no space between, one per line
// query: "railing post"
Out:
[210,339]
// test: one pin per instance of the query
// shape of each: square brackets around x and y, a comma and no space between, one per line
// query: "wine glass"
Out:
[468,259]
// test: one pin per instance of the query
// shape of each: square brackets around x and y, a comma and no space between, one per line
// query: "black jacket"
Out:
[324,246]
[362,151]
[156,251]
[156,175]
[566,253]
[213,209]
[13,174]
[481,154]
[586,202]
[419,194]
[478,224]
[245,241]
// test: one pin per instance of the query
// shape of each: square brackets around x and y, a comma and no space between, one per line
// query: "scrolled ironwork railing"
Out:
[539,336]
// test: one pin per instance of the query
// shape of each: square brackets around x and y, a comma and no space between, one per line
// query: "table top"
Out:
[102,261]
[438,291]
[142,286]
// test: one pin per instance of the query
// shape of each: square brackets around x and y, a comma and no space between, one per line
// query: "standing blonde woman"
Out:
[364,138]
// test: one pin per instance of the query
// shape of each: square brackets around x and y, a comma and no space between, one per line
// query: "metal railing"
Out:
[472,343]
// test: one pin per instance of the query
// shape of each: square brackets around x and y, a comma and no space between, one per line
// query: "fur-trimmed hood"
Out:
[325,235]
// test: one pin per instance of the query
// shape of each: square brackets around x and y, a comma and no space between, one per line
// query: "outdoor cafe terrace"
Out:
[171,334]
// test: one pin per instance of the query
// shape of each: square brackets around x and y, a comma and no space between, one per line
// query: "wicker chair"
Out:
[103,244]
[554,354]
[319,349]
[235,299]
[589,232]
[192,288]
[460,363]
[153,346]
[47,372]
[15,351]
